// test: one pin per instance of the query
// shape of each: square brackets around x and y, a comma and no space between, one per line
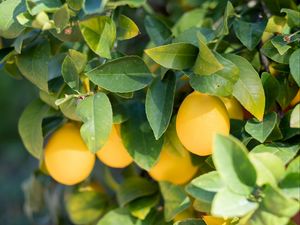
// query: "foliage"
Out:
[132,62]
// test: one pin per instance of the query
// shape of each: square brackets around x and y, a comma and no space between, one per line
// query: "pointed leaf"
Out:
[295,117]
[96,113]
[174,56]
[126,28]
[295,66]
[159,103]
[122,75]
[248,90]
[209,181]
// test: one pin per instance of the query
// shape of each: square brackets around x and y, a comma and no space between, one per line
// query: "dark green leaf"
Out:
[249,33]
[30,127]
[9,26]
[248,90]
[141,207]
[70,73]
[280,44]
[133,188]
[158,32]
[175,199]
[223,27]
[122,75]
[220,83]
[174,56]
[33,64]
[159,103]
[96,113]
[266,129]
[232,163]
[271,88]
[271,52]
[100,34]
[295,66]
[138,138]
[293,17]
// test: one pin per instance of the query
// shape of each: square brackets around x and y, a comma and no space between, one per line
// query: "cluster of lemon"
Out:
[199,118]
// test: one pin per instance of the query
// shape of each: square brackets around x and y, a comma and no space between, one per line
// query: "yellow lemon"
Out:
[114,153]
[210,220]
[67,158]
[199,118]
[234,108]
[173,166]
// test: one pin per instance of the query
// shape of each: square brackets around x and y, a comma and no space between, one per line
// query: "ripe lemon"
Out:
[234,108]
[113,153]
[296,99]
[199,118]
[67,158]
[210,220]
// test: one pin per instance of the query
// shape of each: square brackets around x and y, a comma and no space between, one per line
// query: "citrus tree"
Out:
[195,102]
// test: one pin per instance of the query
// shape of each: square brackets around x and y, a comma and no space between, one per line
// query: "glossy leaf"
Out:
[9,26]
[271,52]
[248,90]
[96,113]
[134,188]
[249,33]
[30,127]
[138,138]
[100,34]
[221,83]
[294,66]
[122,75]
[126,28]
[262,131]
[228,156]
[33,64]
[175,199]
[206,63]
[159,103]
[209,181]
[295,117]
[174,56]
[280,44]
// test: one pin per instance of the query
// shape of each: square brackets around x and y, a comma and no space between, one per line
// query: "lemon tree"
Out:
[155,112]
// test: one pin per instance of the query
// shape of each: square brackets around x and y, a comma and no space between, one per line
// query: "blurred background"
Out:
[16,164]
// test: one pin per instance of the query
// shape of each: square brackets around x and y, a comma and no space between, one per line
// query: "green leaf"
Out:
[126,28]
[192,18]
[280,44]
[70,73]
[271,52]
[159,103]
[175,200]
[30,127]
[248,90]
[94,6]
[100,34]
[294,66]
[266,130]
[9,26]
[293,17]
[158,32]
[209,181]
[61,18]
[271,89]
[285,152]
[85,206]
[138,138]
[33,64]
[131,3]
[122,75]
[269,168]
[230,204]
[177,56]
[96,113]
[249,33]
[36,6]
[75,4]
[68,109]
[133,188]
[286,129]
[117,216]
[141,207]
[286,92]
[206,63]
[223,27]
[220,83]
[191,222]
[232,163]
[295,117]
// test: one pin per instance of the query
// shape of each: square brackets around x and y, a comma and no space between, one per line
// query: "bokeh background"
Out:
[16,164]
